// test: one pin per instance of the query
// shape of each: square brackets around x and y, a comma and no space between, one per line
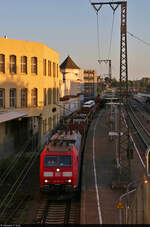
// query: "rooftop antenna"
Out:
[5,36]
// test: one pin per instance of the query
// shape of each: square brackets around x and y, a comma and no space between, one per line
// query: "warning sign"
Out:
[120,204]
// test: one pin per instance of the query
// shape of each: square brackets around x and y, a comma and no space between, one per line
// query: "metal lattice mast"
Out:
[124,125]
[123,137]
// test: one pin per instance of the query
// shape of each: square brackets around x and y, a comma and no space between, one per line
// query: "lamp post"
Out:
[122,205]
[145,181]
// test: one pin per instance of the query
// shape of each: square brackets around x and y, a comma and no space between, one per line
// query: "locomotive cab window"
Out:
[65,160]
[59,161]
[50,161]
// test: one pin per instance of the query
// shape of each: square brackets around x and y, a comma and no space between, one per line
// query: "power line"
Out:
[146,43]
[98,32]
[98,37]
[111,35]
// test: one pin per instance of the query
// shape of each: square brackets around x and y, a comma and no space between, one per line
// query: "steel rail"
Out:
[10,195]
[144,135]
[54,212]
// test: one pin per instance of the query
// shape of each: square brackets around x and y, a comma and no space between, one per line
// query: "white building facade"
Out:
[71,87]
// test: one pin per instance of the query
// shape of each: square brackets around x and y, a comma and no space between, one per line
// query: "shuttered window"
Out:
[34,65]
[2,63]
[12,64]
[24,64]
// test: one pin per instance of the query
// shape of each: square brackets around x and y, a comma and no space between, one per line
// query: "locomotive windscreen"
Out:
[58,160]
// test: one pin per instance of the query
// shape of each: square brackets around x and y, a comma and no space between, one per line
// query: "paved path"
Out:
[99,201]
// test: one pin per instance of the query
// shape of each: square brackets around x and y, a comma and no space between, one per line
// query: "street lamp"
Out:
[145,181]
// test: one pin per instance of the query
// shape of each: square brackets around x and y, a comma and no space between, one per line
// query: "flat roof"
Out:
[10,115]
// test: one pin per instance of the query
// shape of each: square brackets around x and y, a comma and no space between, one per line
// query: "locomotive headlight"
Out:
[47,181]
[68,181]
[57,170]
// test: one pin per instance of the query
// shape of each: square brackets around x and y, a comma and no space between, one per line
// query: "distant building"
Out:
[71,87]
[90,84]
[29,84]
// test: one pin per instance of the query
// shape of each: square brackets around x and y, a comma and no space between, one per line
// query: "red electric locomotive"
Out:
[60,162]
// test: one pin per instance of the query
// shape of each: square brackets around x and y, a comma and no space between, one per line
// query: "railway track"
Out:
[143,133]
[16,193]
[18,205]
[58,212]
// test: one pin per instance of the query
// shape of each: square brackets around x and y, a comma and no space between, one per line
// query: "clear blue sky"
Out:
[70,27]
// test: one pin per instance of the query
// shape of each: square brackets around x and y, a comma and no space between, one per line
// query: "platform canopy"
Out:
[11,115]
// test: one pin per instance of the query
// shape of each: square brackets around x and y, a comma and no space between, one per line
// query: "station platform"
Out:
[98,199]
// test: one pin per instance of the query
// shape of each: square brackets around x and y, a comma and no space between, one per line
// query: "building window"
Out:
[12,64]
[2,97]
[44,67]
[34,97]
[2,63]
[44,95]
[54,69]
[24,64]
[49,95]
[34,65]
[12,97]
[24,97]
[54,95]
[49,68]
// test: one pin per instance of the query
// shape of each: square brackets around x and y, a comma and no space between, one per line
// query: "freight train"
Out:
[60,161]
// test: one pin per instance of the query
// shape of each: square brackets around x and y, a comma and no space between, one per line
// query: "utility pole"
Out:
[123,126]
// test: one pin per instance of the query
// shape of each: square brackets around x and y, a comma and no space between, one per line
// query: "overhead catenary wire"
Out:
[98,39]
[109,50]
[141,40]
[98,32]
